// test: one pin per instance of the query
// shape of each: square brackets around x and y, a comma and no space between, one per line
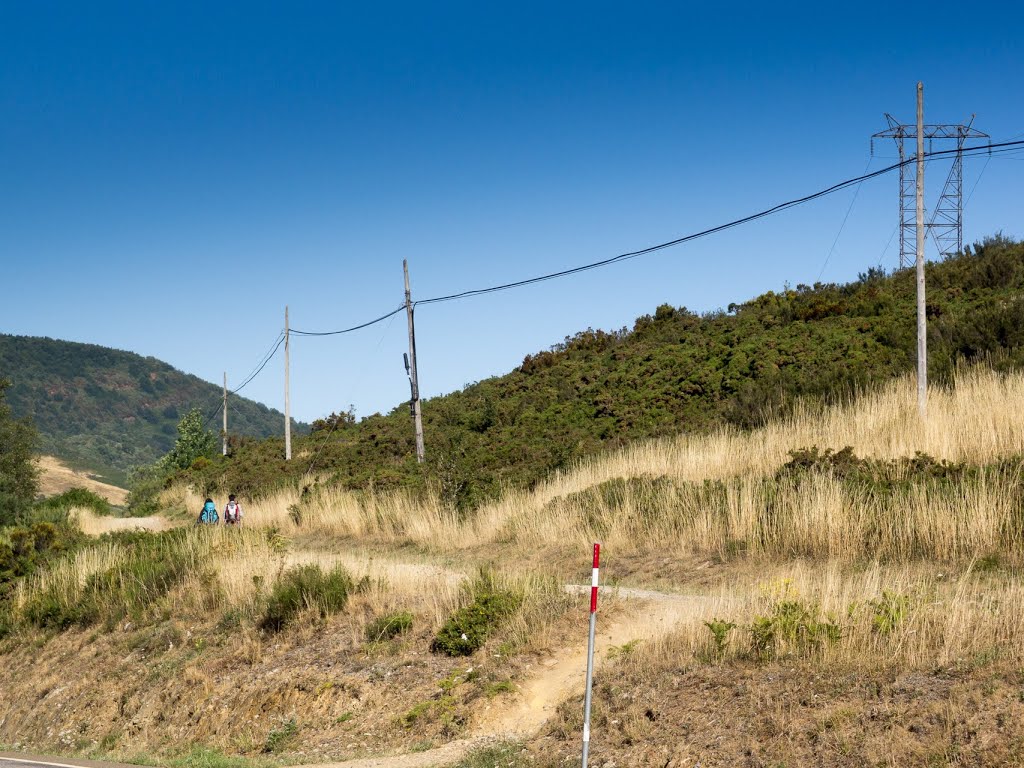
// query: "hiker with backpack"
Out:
[208,514]
[232,512]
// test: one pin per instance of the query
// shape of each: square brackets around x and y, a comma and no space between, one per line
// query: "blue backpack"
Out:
[209,514]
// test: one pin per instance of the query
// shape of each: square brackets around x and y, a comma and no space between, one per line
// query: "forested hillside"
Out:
[673,371]
[111,410]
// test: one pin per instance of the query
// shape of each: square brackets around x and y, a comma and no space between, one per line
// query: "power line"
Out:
[256,372]
[267,358]
[843,225]
[334,426]
[353,328]
[1008,147]
[990,149]
[720,228]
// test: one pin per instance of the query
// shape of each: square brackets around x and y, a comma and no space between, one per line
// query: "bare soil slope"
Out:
[57,477]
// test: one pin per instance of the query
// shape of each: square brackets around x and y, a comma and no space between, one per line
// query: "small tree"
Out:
[19,475]
[194,441]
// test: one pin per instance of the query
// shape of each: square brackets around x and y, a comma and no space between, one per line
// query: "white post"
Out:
[590,654]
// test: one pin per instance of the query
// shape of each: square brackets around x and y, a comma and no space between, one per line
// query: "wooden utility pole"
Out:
[413,377]
[224,432]
[922,328]
[287,394]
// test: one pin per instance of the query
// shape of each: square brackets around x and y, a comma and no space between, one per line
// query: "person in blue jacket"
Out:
[208,515]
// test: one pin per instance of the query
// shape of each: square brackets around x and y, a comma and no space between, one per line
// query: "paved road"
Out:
[14,760]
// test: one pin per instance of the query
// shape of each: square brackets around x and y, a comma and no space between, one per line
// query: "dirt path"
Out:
[644,615]
[96,525]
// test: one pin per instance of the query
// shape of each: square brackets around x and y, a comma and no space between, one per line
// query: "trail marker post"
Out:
[590,654]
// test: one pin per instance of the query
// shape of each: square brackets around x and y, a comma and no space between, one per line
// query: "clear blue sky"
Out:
[173,174]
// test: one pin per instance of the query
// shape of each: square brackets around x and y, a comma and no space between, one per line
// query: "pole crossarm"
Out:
[898,130]
[946,223]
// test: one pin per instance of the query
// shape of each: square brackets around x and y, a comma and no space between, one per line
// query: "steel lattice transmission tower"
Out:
[946,224]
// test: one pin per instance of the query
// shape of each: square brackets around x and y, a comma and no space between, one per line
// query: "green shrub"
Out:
[155,565]
[795,624]
[306,587]
[75,497]
[52,610]
[388,627]
[25,548]
[279,737]
[469,627]
[7,622]
[888,611]
[720,633]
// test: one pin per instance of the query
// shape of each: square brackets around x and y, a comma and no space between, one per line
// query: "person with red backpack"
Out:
[232,512]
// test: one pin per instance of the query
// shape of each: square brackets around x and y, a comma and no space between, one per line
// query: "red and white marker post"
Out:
[590,654]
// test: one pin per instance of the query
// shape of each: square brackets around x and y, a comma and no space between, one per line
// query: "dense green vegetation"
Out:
[109,410]
[18,472]
[673,371]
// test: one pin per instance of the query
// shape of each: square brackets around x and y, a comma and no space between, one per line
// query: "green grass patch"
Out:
[153,565]
[388,627]
[279,737]
[508,754]
[206,757]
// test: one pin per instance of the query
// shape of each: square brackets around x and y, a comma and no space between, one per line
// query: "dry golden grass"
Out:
[57,477]
[68,577]
[912,616]
[92,524]
[665,505]
[920,582]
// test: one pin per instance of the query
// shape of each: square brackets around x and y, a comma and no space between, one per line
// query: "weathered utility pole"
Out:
[287,395]
[413,377]
[922,327]
[224,432]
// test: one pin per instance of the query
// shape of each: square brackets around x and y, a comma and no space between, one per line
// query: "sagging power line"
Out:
[409,306]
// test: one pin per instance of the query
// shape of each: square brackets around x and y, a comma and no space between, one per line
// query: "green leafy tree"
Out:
[194,442]
[19,475]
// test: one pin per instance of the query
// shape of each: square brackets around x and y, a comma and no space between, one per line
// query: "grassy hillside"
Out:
[109,410]
[674,370]
[864,603]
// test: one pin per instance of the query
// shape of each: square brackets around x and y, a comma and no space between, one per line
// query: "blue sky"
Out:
[171,175]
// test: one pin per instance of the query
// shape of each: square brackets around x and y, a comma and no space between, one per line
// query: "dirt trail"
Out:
[96,525]
[645,615]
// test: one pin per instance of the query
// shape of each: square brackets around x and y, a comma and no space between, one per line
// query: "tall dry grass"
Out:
[234,570]
[667,504]
[911,616]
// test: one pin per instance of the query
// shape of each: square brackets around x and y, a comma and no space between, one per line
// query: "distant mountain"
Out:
[108,410]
